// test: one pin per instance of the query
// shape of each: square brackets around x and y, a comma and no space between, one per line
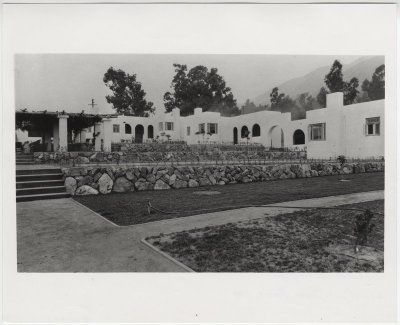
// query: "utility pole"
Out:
[92,103]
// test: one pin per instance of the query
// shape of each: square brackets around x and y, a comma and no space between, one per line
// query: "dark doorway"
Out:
[139,131]
[299,137]
[235,136]
[150,132]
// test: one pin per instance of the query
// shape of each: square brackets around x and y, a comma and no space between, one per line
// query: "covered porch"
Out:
[63,132]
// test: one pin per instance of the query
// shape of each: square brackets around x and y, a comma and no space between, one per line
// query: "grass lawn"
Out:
[131,208]
[304,241]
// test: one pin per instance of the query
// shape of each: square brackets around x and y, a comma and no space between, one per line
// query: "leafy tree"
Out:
[199,87]
[250,107]
[276,98]
[128,96]
[281,102]
[376,87]
[321,97]
[335,83]
[334,79]
[306,101]
[350,91]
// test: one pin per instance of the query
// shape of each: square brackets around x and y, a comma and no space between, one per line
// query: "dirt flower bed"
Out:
[302,241]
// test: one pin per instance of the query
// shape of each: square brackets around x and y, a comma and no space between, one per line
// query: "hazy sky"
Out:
[69,81]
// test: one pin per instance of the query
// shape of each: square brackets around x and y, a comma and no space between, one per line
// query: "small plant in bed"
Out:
[303,241]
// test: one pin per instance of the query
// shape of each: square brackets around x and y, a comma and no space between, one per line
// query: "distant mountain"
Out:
[312,82]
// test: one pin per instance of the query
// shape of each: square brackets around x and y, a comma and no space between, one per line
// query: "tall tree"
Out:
[350,91]
[335,83]
[334,79]
[199,87]
[305,101]
[321,97]
[128,96]
[376,87]
[276,98]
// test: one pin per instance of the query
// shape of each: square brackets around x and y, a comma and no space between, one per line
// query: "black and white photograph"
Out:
[196,162]
[169,163]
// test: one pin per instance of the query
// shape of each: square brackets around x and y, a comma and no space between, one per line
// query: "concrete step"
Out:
[41,183]
[38,177]
[34,197]
[41,190]
[38,171]
[20,163]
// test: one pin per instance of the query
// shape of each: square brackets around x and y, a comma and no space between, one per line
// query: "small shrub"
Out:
[362,228]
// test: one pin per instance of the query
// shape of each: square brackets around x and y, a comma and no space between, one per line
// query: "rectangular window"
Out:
[169,126]
[202,128]
[116,128]
[212,128]
[160,126]
[188,130]
[372,126]
[317,132]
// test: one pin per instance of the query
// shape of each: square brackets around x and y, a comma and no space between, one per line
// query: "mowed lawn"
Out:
[303,241]
[131,208]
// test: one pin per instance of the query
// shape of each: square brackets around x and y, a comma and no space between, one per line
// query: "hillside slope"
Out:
[313,81]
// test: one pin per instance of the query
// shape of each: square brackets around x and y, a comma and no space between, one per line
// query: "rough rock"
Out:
[160,185]
[105,184]
[121,185]
[70,185]
[86,190]
[179,184]
[193,183]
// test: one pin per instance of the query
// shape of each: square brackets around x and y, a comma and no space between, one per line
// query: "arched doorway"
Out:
[256,130]
[235,136]
[299,137]
[276,137]
[244,132]
[128,129]
[150,132]
[139,131]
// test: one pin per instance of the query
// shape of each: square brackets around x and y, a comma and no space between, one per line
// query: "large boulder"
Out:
[204,181]
[86,190]
[70,185]
[105,184]
[83,180]
[143,186]
[122,185]
[160,185]
[193,183]
[180,184]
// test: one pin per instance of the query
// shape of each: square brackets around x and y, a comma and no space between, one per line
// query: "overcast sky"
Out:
[69,81]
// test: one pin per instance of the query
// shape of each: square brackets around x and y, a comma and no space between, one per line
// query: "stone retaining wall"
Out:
[95,180]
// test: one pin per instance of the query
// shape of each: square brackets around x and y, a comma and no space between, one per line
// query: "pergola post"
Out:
[97,140]
[63,132]
[56,138]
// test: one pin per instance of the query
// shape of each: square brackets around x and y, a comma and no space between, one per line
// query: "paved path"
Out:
[64,236]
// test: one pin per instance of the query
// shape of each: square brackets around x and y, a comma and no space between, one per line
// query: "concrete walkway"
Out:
[64,236]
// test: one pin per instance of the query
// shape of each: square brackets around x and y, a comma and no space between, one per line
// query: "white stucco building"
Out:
[353,130]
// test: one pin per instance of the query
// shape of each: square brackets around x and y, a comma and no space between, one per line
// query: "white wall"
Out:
[345,128]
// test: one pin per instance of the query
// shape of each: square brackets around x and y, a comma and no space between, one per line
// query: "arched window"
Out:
[299,137]
[244,132]
[150,132]
[128,129]
[256,131]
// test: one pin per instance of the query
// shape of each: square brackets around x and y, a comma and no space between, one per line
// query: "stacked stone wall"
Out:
[93,180]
